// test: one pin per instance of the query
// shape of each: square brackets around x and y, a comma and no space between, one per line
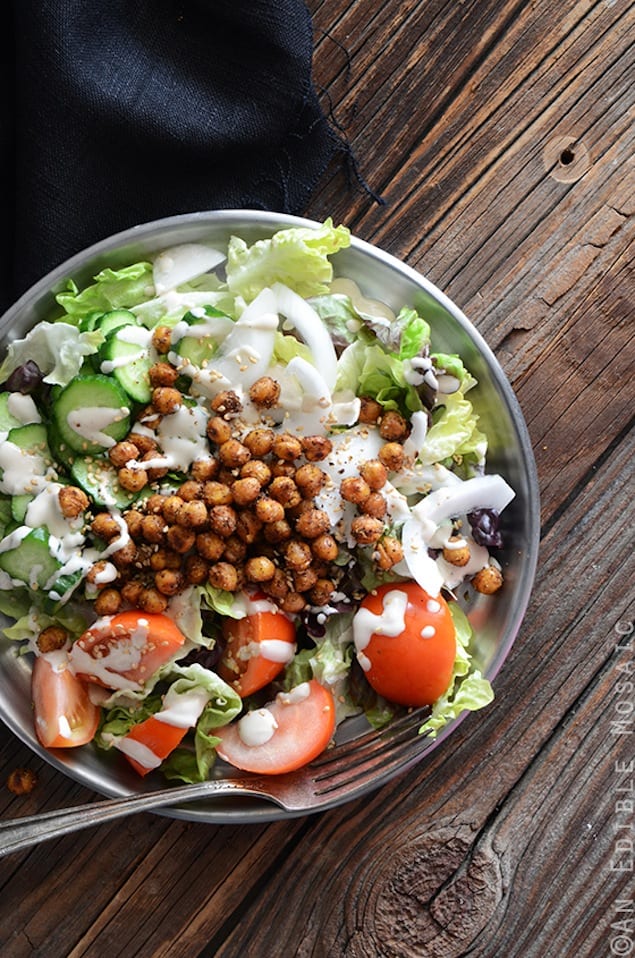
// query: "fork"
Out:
[339,774]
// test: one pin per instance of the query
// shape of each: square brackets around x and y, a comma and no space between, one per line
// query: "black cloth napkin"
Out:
[121,111]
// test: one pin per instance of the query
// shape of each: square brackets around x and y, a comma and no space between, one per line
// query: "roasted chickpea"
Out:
[370,410]
[298,555]
[153,529]
[21,781]
[72,501]
[354,489]
[285,491]
[325,548]
[366,530]
[374,473]
[259,569]
[153,472]
[222,520]
[245,491]
[287,447]
[488,580]
[168,581]
[277,531]
[282,468]
[162,339]
[304,579]
[163,374]
[166,399]
[233,454]
[131,591]
[217,494]
[210,546]
[313,523]
[375,506]
[218,430]
[235,550]
[277,587]
[124,556]
[104,526]
[190,490]
[143,443]
[151,600]
[202,470]
[108,602]
[457,551]
[227,404]
[101,574]
[292,602]
[195,570]
[392,456]
[133,519]
[388,552]
[160,559]
[256,469]
[171,508]
[259,441]
[223,575]
[321,592]
[122,452]
[393,426]
[265,392]
[316,448]
[133,480]
[193,515]
[180,539]
[248,525]
[52,639]
[154,504]
[309,479]
[148,418]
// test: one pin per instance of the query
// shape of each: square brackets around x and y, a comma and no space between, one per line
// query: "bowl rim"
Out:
[274,221]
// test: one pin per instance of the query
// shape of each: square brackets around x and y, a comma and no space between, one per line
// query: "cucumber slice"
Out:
[79,408]
[199,349]
[7,420]
[88,322]
[33,440]
[31,561]
[62,453]
[5,514]
[114,319]
[129,363]
[98,478]
[19,506]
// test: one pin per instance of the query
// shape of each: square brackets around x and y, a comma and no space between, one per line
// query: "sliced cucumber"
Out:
[114,319]
[199,349]
[62,452]
[98,478]
[33,440]
[89,412]
[129,363]
[19,506]
[88,322]
[31,561]
[5,514]
[7,419]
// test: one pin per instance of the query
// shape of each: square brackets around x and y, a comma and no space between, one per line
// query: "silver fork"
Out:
[339,774]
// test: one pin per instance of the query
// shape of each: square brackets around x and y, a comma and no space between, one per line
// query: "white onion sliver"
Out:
[180,264]
[421,566]
[482,492]
[311,329]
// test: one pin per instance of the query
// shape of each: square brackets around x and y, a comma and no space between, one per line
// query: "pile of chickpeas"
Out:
[245,517]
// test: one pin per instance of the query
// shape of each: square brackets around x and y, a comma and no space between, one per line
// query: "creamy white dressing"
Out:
[89,422]
[295,695]
[183,709]
[391,621]
[137,751]
[109,365]
[45,510]
[23,408]
[275,650]
[13,540]
[122,655]
[182,438]
[256,727]
[428,631]
[22,472]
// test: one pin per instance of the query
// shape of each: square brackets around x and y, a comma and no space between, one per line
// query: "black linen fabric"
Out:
[121,111]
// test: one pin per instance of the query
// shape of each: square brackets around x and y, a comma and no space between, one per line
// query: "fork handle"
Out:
[25,832]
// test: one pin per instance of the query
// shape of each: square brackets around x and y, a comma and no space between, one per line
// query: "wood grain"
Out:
[499,135]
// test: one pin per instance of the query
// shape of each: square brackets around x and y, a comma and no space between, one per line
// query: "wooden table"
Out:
[497,133]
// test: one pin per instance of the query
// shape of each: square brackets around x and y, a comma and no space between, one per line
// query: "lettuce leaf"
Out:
[452,365]
[382,378]
[454,432]
[112,289]
[57,348]
[297,257]
[286,348]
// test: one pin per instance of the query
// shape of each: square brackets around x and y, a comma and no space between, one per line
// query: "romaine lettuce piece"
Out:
[112,289]
[57,348]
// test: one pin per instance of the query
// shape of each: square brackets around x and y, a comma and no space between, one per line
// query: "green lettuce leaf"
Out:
[286,348]
[453,365]
[382,378]
[297,257]
[112,289]
[454,432]
[57,348]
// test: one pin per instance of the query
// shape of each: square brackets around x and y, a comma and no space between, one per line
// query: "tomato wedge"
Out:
[64,715]
[257,649]
[290,732]
[122,651]
[154,741]
[406,643]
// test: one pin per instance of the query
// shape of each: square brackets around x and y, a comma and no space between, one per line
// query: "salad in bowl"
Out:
[243,502]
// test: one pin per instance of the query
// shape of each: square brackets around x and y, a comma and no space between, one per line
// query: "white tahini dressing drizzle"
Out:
[22,472]
[391,621]
[23,408]
[117,657]
[275,650]
[90,422]
[256,727]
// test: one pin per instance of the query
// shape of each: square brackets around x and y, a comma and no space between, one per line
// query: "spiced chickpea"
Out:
[388,552]
[325,548]
[259,569]
[245,491]
[285,491]
[100,574]
[153,529]
[370,410]
[203,470]
[277,531]
[287,447]
[282,468]
[392,456]
[265,392]
[104,526]
[218,430]
[154,504]
[354,489]
[160,559]
[277,587]
[233,454]
[154,472]
[292,602]
[223,575]
[195,570]
[259,441]
[169,581]
[305,505]
[222,520]
[143,443]
[180,539]
[375,506]
[298,555]
[248,527]
[322,591]
[131,590]
[193,515]
[316,448]
[148,418]
[269,510]
[170,508]
[217,494]
[162,339]
[72,501]
[151,600]
[456,551]
[256,469]
[227,404]
[235,550]
[108,602]
[366,530]
[313,523]
[393,426]
[210,546]
[166,399]
[52,639]
[309,479]
[163,374]
[374,473]
[122,452]
[190,490]
[21,781]
[133,519]
[304,579]
[488,580]
[133,480]
[124,556]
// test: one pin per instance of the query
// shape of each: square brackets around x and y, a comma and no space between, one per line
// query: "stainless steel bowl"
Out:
[497,619]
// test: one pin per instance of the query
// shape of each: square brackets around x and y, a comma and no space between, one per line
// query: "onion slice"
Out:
[180,264]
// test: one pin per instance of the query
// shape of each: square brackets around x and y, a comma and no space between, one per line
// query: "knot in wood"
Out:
[431,897]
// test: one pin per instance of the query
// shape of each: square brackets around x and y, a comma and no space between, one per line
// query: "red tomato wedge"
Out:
[257,649]
[410,643]
[157,737]
[122,651]
[304,721]
[64,715]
